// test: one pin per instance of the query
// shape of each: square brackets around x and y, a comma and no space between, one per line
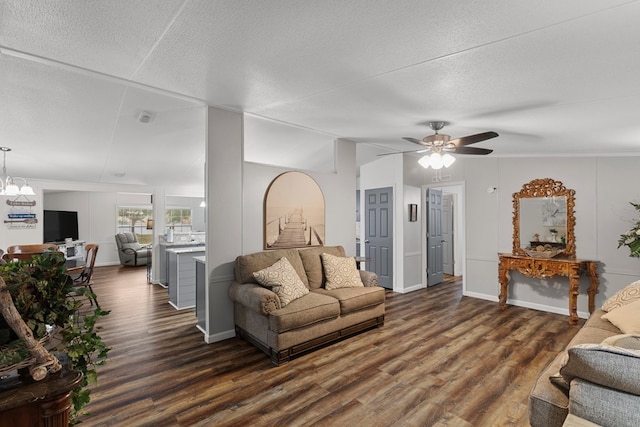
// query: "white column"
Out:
[224,159]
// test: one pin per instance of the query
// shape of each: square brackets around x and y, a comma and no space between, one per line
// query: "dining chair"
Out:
[85,279]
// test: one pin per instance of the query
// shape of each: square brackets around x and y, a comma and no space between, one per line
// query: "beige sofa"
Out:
[317,318]
[595,382]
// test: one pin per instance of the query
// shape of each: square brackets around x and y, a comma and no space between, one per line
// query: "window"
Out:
[134,220]
[179,219]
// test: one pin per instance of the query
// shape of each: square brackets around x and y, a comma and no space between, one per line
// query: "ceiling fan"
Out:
[440,146]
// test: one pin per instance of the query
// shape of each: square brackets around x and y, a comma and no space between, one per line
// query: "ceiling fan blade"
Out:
[414,140]
[472,139]
[403,152]
[471,150]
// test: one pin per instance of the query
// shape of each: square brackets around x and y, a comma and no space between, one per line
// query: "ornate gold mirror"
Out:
[544,220]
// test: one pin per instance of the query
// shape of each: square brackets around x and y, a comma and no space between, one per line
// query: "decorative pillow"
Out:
[624,296]
[610,366]
[340,272]
[626,318]
[283,280]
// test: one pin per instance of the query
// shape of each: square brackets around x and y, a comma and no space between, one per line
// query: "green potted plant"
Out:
[45,298]
[631,238]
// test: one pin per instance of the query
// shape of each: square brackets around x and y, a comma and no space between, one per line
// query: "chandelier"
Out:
[8,187]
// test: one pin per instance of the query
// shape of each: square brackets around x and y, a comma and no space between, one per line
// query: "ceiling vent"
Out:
[146,116]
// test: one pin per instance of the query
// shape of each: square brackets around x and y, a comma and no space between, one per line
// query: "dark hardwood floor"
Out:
[440,359]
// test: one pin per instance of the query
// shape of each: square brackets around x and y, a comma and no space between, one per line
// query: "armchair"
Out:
[130,251]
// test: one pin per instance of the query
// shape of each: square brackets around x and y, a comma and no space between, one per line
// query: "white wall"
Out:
[412,236]
[96,218]
[409,180]
[339,191]
[604,186]
[387,171]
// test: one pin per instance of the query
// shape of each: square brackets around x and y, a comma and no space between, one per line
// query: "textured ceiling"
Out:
[552,78]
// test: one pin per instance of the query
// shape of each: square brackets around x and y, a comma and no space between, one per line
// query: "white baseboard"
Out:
[410,288]
[182,308]
[219,336]
[526,304]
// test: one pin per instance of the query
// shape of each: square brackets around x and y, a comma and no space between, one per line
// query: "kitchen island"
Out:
[182,276]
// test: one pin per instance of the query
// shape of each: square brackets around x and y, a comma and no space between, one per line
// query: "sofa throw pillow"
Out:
[610,366]
[340,272]
[624,296]
[626,318]
[283,280]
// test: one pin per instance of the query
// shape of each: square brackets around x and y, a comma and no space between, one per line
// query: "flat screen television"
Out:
[59,225]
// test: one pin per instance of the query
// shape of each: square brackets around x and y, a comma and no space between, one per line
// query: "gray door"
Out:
[447,234]
[378,243]
[434,237]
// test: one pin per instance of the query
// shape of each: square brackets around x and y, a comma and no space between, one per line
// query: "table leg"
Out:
[574,289]
[503,278]
[593,289]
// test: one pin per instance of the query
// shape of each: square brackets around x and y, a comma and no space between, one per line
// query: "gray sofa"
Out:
[322,316]
[130,251]
[593,382]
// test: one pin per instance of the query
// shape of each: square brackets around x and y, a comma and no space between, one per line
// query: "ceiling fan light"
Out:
[447,160]
[26,190]
[424,161]
[436,161]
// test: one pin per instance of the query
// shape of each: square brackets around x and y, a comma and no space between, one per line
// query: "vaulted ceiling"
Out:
[552,78]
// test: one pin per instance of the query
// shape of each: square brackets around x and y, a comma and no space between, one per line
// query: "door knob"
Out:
[366,241]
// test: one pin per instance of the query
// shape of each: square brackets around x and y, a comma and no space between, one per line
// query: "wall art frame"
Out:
[294,212]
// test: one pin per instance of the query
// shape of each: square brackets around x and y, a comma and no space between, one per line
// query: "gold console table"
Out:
[548,267]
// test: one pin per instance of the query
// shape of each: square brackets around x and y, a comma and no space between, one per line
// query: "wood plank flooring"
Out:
[441,359]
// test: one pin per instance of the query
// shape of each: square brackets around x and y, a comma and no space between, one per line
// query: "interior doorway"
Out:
[450,256]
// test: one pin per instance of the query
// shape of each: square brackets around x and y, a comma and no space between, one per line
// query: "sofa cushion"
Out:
[313,263]
[353,299]
[624,296]
[283,281]
[340,272]
[246,265]
[309,309]
[610,366]
[603,406]
[626,318]
[135,246]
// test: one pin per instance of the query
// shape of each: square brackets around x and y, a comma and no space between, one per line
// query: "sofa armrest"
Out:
[369,278]
[254,297]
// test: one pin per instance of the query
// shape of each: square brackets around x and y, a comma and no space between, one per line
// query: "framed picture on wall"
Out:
[413,212]
[294,211]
